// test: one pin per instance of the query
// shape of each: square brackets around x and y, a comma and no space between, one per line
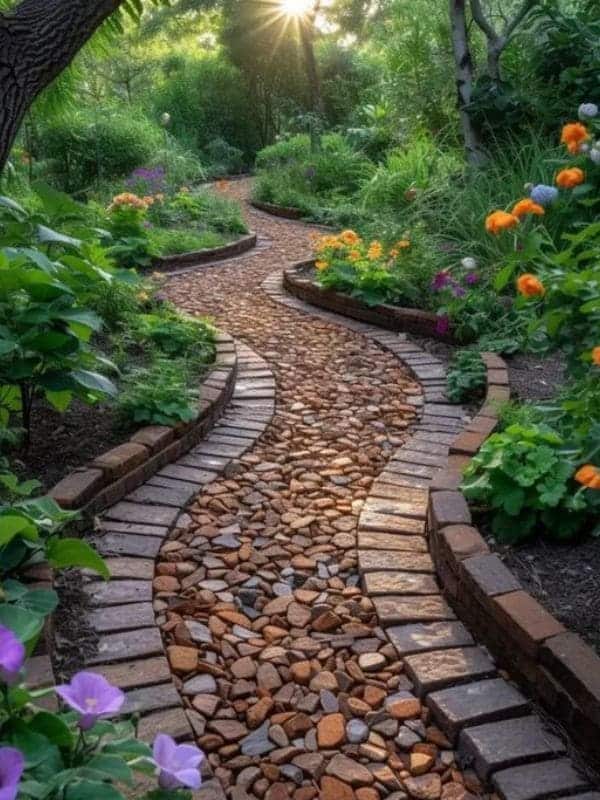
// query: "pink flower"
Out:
[441,280]
[443,325]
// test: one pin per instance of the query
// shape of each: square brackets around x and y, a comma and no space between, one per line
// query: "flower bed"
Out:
[559,669]
[286,212]
[299,280]
[206,256]
[117,472]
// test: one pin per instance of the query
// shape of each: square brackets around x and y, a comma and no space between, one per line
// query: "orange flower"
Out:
[530,286]
[527,206]
[353,255]
[499,221]
[321,265]
[394,252]
[596,356]
[403,244]
[349,237]
[569,178]
[574,135]
[375,251]
[588,476]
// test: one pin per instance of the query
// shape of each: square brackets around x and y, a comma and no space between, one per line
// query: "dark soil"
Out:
[74,639]
[565,578]
[62,442]
[535,378]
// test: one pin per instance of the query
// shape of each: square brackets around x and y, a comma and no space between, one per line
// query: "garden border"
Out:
[285,212]
[118,471]
[169,264]
[558,668]
[394,318]
[496,730]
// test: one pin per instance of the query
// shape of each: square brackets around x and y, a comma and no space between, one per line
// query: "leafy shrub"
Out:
[467,376]
[85,147]
[158,395]
[168,242]
[525,476]
[176,335]
[223,159]
[130,245]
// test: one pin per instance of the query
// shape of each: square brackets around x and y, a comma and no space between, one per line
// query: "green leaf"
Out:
[53,728]
[59,400]
[112,766]
[17,210]
[48,236]
[15,524]
[92,790]
[94,381]
[25,624]
[64,553]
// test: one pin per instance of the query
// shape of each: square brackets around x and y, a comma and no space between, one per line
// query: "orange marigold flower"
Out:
[354,255]
[321,265]
[375,250]
[588,476]
[499,221]
[569,178]
[596,356]
[574,134]
[530,286]
[394,252]
[403,244]
[527,206]
[349,237]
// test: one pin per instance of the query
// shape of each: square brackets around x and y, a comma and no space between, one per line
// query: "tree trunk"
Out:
[307,33]
[38,40]
[464,81]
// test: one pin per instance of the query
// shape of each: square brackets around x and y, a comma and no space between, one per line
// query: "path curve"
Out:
[307,637]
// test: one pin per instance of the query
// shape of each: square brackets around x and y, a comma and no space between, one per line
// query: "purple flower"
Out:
[179,765]
[92,696]
[443,325]
[12,656]
[471,278]
[12,764]
[544,195]
[440,281]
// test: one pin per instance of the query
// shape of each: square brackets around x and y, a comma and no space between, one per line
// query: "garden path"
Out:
[285,515]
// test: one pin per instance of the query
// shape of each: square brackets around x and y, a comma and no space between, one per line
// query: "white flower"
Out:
[528,187]
[595,155]
[588,111]
[468,263]
[165,120]
[584,148]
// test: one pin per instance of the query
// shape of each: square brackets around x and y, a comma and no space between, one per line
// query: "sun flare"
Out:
[296,8]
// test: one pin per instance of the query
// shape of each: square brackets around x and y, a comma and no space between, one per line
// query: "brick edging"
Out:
[285,212]
[558,668]
[510,747]
[198,257]
[118,471]
[394,318]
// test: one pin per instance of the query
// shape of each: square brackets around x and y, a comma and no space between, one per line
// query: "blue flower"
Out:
[544,195]
[588,111]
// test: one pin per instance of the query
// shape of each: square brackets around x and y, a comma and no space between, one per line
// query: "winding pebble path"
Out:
[296,690]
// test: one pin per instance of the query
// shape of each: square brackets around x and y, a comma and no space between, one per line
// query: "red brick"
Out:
[462,541]
[525,620]
[493,361]
[577,667]
[497,377]
[78,488]
[154,437]
[446,480]
[117,462]
[482,424]
[448,508]
[468,443]
[497,394]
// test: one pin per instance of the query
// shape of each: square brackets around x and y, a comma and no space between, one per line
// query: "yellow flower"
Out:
[349,237]
[321,265]
[375,251]
[394,252]
[353,255]
[143,297]
[403,244]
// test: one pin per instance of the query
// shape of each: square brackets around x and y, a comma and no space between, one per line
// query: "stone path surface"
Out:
[308,643]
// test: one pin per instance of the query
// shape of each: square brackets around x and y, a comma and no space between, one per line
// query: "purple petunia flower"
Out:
[178,764]
[12,656]
[92,696]
[440,281]
[443,325]
[12,764]
[471,278]
[458,290]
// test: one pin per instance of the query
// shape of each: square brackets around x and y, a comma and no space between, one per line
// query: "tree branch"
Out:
[513,24]
[482,21]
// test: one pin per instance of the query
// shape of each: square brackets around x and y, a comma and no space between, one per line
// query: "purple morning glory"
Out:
[457,290]
[443,325]
[12,656]
[471,278]
[441,280]
[92,696]
[178,764]
[12,764]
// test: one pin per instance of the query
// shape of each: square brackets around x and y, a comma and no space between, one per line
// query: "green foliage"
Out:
[176,240]
[176,335]
[467,376]
[160,394]
[86,147]
[525,476]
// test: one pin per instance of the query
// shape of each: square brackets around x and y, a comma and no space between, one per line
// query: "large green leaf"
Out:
[15,524]
[13,207]
[53,728]
[26,624]
[94,381]
[64,553]
[92,790]
[48,236]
